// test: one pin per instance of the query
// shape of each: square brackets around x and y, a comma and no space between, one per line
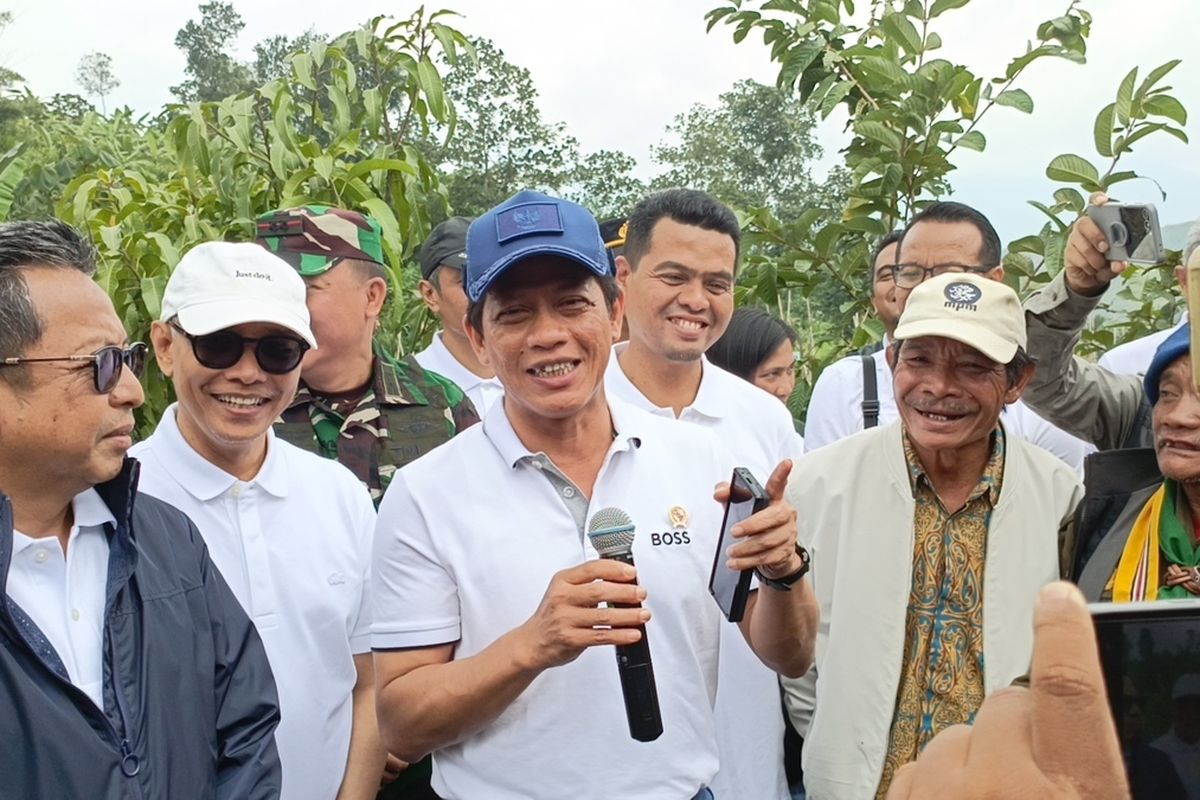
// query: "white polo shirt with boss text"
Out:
[470,536]
[756,428]
[294,545]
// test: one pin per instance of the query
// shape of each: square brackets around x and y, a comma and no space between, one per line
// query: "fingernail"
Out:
[628,571]
[641,593]
[644,616]
[1061,591]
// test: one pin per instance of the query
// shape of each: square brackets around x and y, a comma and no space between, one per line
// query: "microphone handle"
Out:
[637,680]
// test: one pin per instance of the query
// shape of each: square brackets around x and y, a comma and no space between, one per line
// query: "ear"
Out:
[624,270]
[476,339]
[1181,277]
[889,353]
[996,273]
[161,337]
[618,315]
[429,294]
[376,289]
[1014,392]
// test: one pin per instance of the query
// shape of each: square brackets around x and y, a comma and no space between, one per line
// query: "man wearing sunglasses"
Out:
[127,667]
[289,530]
[357,403]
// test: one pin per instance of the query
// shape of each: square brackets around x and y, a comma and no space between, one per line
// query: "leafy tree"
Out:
[910,113]
[96,77]
[272,55]
[603,182]
[212,73]
[753,149]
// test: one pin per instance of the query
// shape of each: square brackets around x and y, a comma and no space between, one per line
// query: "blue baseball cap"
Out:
[531,224]
[1176,345]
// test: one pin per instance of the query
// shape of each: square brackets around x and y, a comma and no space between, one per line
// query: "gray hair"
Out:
[33,245]
[1193,241]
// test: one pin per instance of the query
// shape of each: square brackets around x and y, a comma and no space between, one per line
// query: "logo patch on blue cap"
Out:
[527,219]
[962,296]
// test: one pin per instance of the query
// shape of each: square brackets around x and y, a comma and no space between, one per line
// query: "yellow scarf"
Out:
[1138,571]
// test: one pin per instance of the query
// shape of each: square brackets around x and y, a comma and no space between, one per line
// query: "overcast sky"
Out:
[618,71]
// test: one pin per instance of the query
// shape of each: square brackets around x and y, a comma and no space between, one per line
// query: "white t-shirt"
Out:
[757,430]
[483,392]
[1133,358]
[65,595]
[294,545]
[835,412]
[468,558]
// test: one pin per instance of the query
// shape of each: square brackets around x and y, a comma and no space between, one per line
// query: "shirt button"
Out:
[236,491]
[537,464]
[40,556]
[568,492]
[75,614]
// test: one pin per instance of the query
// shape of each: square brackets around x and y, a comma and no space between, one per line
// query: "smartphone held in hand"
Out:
[731,588]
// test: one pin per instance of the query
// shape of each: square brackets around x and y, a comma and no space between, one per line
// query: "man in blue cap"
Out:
[1136,527]
[509,683]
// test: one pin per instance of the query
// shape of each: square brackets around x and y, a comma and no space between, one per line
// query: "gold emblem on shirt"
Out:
[678,516]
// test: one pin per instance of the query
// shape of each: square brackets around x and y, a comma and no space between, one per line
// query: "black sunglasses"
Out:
[276,353]
[106,363]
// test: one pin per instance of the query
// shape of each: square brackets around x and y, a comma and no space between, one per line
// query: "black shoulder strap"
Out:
[870,403]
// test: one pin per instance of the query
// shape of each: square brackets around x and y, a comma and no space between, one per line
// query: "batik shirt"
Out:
[405,412]
[941,677]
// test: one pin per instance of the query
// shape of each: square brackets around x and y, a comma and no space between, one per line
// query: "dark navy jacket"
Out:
[190,707]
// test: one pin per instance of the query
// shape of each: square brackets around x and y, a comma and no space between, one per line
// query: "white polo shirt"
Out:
[1133,358]
[294,545]
[65,595]
[468,558]
[835,412]
[757,429]
[484,392]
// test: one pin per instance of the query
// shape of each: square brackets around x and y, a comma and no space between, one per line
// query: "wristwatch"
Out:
[784,584]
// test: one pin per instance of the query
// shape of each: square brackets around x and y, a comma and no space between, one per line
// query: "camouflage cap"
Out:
[314,239]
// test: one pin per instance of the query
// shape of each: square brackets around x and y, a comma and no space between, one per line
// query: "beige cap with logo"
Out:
[967,308]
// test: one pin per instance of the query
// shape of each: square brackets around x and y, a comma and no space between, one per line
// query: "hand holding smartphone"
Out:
[1132,232]
[731,588]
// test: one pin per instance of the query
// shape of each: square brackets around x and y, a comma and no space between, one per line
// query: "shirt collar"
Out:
[448,365]
[989,482]
[499,431]
[205,480]
[88,511]
[711,400]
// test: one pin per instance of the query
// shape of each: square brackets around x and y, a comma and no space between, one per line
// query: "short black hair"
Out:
[24,245]
[608,288]
[752,336]
[685,206]
[948,211]
[892,237]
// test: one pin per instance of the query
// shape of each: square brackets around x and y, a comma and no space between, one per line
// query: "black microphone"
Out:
[611,533]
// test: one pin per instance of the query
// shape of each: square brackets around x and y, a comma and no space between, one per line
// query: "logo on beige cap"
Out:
[962,296]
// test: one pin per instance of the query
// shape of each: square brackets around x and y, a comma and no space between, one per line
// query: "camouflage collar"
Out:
[387,384]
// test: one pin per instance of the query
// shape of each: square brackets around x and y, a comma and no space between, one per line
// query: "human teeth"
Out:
[688,324]
[233,400]
[554,370]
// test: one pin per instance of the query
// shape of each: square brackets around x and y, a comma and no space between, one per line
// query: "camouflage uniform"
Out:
[405,413]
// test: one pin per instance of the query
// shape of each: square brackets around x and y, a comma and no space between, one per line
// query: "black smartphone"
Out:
[731,588]
[1132,231]
[1150,653]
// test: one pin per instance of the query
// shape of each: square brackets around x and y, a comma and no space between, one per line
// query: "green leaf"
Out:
[901,28]
[878,132]
[941,6]
[972,140]
[380,164]
[152,292]
[302,68]
[1125,97]
[323,165]
[1016,98]
[1154,76]
[1070,198]
[1102,130]
[1071,168]
[431,85]
[1118,177]
[110,235]
[836,95]
[1166,106]
[12,175]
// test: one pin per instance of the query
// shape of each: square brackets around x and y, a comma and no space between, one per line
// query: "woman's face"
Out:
[777,373]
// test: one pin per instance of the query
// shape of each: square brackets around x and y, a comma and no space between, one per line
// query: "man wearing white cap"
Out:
[930,539]
[233,330]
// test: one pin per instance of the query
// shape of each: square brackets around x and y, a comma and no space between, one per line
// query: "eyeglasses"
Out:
[277,354]
[106,364]
[910,276]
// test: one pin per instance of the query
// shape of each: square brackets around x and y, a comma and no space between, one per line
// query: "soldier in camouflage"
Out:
[357,403]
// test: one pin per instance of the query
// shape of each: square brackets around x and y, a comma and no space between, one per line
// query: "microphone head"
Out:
[611,532]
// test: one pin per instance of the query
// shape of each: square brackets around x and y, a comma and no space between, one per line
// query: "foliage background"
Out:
[410,120]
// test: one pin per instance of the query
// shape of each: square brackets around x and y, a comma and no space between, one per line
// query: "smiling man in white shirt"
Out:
[233,330]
